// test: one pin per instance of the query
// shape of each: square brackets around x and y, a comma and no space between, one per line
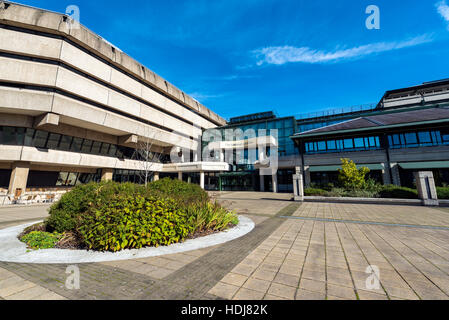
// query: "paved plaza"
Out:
[308,251]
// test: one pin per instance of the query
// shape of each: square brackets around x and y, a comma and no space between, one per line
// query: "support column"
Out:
[156,176]
[262,183]
[307,179]
[396,178]
[202,178]
[298,185]
[19,177]
[274,182]
[426,188]
[386,178]
[107,174]
[180,176]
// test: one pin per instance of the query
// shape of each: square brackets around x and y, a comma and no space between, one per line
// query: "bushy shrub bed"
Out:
[443,193]
[111,216]
[389,191]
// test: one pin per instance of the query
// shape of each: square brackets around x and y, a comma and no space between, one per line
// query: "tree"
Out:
[350,177]
[147,157]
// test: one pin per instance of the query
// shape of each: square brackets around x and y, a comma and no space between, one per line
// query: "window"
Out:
[359,143]
[410,138]
[87,146]
[348,144]
[40,139]
[65,143]
[424,137]
[53,141]
[76,144]
[96,146]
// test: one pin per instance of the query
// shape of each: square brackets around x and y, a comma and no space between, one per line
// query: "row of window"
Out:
[418,139]
[46,140]
[339,145]
[395,141]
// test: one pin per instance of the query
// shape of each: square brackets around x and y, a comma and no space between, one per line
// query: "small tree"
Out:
[350,177]
[147,157]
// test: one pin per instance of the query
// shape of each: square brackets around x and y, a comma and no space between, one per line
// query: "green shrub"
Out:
[315,192]
[179,190]
[133,222]
[395,192]
[443,193]
[350,177]
[210,216]
[65,214]
[41,240]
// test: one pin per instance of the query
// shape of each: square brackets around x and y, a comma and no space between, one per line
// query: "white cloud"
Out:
[443,10]
[286,54]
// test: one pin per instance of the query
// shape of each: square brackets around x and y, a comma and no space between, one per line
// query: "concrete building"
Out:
[74,108]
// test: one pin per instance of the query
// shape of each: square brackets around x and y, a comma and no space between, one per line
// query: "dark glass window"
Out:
[87,146]
[96,146]
[29,136]
[105,149]
[40,139]
[65,143]
[76,145]
[53,141]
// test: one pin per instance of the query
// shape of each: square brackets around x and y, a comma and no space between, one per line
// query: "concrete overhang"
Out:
[252,143]
[196,167]
[47,119]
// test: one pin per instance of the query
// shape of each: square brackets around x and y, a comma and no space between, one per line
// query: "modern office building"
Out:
[74,109]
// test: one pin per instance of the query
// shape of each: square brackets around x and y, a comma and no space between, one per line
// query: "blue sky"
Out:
[294,57]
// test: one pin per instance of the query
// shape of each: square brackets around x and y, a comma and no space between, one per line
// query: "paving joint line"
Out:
[385,224]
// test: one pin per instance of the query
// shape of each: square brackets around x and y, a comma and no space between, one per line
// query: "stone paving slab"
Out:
[313,260]
[395,214]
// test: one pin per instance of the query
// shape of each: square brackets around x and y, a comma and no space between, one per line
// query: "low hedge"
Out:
[396,192]
[443,193]
[315,192]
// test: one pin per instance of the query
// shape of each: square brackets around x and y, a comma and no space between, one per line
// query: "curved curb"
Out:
[13,250]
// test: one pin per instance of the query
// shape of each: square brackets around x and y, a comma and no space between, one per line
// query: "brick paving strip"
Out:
[193,281]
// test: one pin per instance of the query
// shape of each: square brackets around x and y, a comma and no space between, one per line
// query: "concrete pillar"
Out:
[274,182]
[386,177]
[107,174]
[396,178]
[19,177]
[202,178]
[307,180]
[298,185]
[262,183]
[180,176]
[426,188]
[222,155]
[156,176]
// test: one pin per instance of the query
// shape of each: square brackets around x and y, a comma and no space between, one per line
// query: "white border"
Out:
[13,250]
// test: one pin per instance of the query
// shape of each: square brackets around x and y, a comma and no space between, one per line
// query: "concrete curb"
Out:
[13,250]
[409,202]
